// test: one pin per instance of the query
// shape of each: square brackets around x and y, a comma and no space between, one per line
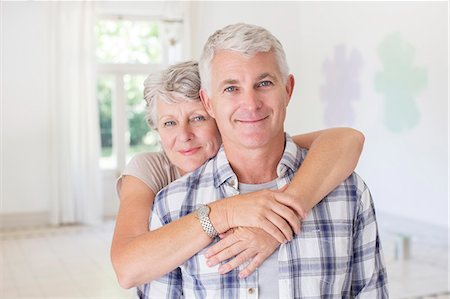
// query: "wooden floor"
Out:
[73,262]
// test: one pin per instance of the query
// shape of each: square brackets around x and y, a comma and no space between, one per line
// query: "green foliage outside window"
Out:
[126,41]
[135,108]
[104,96]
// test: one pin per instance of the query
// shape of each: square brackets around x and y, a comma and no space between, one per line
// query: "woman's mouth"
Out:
[189,151]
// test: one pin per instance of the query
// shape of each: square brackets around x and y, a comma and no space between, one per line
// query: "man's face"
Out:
[248,98]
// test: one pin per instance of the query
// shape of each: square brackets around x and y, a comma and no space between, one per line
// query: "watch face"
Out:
[203,211]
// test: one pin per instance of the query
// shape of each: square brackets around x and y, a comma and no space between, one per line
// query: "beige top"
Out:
[153,169]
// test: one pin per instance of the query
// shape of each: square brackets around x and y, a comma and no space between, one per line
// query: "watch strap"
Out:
[203,216]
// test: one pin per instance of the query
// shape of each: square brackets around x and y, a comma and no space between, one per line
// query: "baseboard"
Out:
[23,220]
[424,232]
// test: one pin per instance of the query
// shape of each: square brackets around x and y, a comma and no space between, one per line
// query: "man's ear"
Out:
[206,101]
[290,87]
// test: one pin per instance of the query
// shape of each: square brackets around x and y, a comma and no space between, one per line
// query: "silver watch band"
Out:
[202,214]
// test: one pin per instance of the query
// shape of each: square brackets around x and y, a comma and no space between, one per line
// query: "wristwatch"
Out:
[202,214]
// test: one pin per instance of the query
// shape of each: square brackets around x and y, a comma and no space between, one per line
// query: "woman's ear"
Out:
[206,101]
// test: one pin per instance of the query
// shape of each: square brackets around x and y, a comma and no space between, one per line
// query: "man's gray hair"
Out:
[242,38]
[179,83]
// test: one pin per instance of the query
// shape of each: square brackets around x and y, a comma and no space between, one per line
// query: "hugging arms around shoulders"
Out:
[139,255]
[337,254]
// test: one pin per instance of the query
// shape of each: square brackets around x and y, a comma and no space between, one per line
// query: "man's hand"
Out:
[244,244]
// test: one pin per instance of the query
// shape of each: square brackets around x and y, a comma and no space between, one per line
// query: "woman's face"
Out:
[188,134]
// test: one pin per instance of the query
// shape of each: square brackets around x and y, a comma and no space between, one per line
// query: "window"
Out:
[128,50]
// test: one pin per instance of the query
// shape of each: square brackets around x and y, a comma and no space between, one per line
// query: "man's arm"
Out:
[369,278]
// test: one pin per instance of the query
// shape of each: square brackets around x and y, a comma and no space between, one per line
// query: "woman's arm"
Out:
[332,156]
[139,255]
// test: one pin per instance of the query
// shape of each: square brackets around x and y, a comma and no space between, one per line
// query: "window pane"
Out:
[126,41]
[142,138]
[104,96]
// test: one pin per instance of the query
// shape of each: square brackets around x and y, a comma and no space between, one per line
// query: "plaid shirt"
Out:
[336,255]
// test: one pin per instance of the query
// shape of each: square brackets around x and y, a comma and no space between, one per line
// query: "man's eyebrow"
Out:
[265,75]
[229,81]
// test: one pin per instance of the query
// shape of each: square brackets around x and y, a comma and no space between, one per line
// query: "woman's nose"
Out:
[185,133]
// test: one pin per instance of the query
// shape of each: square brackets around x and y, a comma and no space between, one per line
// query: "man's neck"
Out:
[255,166]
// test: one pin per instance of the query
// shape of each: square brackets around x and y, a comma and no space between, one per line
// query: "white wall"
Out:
[407,170]
[25,108]
[26,113]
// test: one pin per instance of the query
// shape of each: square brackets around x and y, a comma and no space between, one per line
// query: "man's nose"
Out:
[251,100]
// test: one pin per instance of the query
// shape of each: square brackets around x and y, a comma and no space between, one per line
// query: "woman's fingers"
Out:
[245,245]
[291,221]
[226,253]
[291,202]
[253,265]
[275,232]
[262,210]
[237,261]
[221,245]
[282,225]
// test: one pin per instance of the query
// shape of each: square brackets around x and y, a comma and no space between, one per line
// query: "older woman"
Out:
[190,137]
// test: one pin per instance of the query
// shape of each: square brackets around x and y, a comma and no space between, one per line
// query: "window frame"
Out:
[117,71]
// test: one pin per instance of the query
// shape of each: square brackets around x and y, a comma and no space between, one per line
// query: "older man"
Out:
[246,87]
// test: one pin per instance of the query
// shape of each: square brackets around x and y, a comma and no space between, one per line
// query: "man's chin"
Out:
[254,142]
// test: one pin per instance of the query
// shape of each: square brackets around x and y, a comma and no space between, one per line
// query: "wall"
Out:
[26,112]
[348,60]
[406,169]
[25,108]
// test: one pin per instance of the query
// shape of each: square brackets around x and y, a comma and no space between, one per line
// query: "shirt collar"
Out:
[289,161]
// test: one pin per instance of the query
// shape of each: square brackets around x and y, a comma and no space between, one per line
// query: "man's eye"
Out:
[198,118]
[265,83]
[230,89]
[169,123]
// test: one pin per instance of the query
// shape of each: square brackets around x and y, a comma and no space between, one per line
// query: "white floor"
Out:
[73,262]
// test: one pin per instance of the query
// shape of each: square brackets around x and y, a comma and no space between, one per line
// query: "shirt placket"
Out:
[249,286]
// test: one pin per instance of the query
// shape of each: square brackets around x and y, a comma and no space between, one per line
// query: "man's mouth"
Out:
[252,120]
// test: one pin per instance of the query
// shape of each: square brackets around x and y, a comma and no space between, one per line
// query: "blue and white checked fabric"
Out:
[336,255]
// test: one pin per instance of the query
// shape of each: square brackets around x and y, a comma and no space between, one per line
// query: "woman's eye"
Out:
[169,123]
[230,89]
[199,118]
[265,83]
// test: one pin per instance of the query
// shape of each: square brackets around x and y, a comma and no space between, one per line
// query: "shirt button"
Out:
[233,183]
[251,290]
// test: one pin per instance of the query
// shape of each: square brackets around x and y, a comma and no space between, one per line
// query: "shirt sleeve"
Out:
[369,278]
[153,169]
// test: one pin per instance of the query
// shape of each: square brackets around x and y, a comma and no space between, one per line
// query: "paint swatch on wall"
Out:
[400,82]
[342,86]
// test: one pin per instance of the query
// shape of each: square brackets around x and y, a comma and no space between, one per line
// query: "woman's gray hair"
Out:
[178,83]
[242,38]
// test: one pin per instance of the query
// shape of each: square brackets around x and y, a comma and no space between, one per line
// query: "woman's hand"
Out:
[244,244]
[276,212]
